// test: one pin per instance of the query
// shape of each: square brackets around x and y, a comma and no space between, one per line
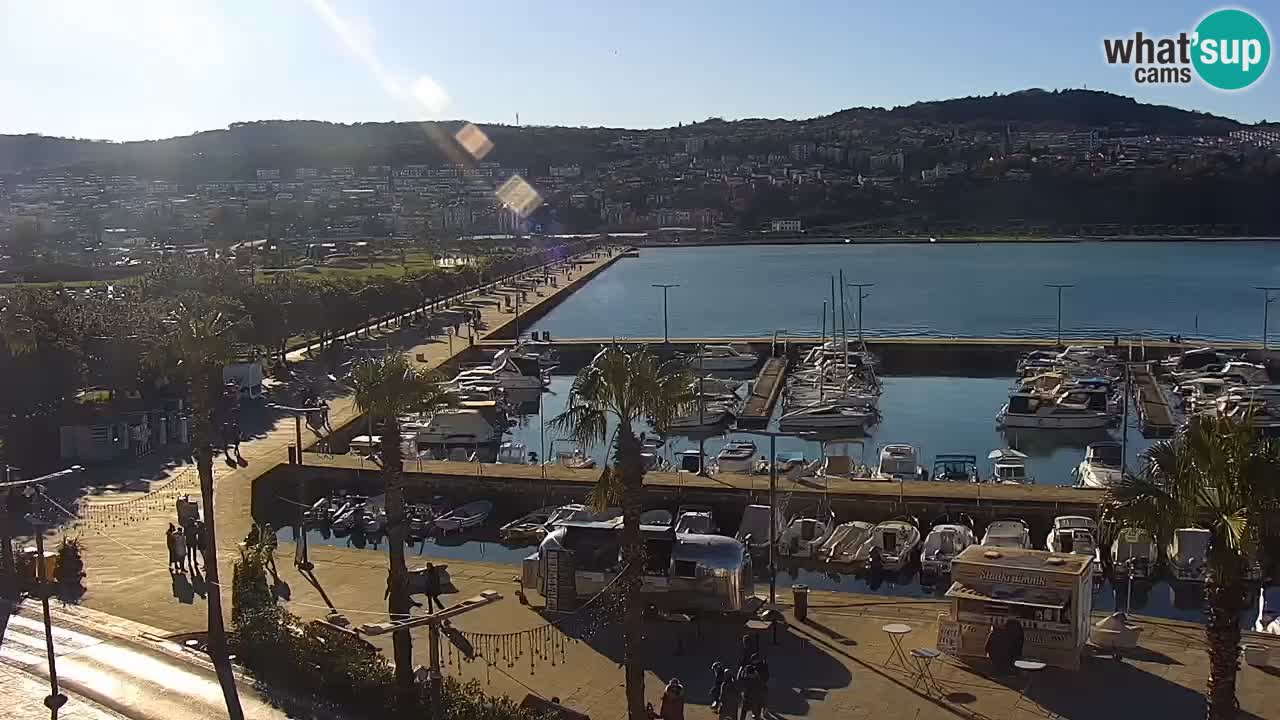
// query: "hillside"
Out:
[233,151]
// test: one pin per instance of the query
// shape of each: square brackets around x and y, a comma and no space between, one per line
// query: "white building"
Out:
[784,225]
[268,174]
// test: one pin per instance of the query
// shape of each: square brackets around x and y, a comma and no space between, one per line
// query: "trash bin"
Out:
[800,601]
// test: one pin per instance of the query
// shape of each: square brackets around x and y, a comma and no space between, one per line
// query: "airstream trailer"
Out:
[685,571]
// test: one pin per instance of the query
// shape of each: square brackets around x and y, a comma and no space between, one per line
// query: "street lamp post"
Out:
[666,340]
[34,489]
[1266,307]
[1059,287]
[861,296]
[304,559]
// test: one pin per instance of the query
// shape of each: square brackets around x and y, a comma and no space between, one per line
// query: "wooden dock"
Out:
[1154,414]
[764,393]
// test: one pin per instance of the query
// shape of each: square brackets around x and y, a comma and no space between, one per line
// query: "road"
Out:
[135,677]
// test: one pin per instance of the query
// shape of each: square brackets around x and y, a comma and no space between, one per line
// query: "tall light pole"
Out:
[34,489]
[665,287]
[304,559]
[1059,287]
[1266,307]
[861,296]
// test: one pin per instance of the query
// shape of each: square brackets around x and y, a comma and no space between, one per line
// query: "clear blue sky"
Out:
[130,69]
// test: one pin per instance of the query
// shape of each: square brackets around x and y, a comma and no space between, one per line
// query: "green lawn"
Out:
[383,265]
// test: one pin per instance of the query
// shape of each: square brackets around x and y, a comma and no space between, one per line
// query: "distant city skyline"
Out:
[146,69]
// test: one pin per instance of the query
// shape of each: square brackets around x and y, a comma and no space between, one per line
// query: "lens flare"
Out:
[519,196]
[474,141]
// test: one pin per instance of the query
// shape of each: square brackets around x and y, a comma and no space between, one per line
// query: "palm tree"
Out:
[385,388]
[201,344]
[1219,475]
[626,388]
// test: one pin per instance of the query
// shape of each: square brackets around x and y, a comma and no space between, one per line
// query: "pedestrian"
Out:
[179,550]
[169,543]
[672,704]
[193,544]
[762,686]
[750,646]
[254,536]
[432,588]
[269,546]
[720,676]
[748,682]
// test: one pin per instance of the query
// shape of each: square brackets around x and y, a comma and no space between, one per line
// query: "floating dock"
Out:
[1154,414]
[764,393]
[520,488]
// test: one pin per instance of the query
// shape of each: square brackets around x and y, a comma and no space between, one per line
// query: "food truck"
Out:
[1049,594]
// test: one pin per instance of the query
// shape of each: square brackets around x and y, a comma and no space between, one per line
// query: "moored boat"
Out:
[943,543]
[471,515]
[894,543]
[1010,533]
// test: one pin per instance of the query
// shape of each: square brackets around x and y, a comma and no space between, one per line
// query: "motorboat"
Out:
[1075,409]
[1133,554]
[951,467]
[513,453]
[578,512]
[899,461]
[531,526]
[896,541]
[509,370]
[421,520]
[658,517]
[373,520]
[1101,467]
[1188,551]
[690,461]
[1009,466]
[471,515]
[698,522]
[804,536]
[710,416]
[754,529]
[450,429]
[318,513]
[1008,534]
[1075,534]
[721,357]
[737,456]
[1194,360]
[827,416]
[843,459]
[845,540]
[943,543]
[575,459]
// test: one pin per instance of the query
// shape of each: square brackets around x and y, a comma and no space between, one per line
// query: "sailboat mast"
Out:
[844,330]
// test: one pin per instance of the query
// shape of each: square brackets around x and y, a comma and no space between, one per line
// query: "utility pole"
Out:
[1059,287]
[861,296]
[1266,307]
[666,340]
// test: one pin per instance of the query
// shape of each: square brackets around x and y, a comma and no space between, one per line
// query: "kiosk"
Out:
[1049,594]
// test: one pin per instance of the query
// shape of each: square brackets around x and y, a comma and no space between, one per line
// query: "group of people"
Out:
[735,692]
[186,543]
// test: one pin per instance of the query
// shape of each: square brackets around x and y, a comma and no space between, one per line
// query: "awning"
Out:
[1008,595]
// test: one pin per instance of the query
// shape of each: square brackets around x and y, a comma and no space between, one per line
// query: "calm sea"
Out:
[1195,289]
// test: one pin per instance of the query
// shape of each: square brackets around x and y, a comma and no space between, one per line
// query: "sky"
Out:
[143,69]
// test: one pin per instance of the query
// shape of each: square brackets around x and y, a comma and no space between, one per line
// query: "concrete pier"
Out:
[764,393]
[1154,414]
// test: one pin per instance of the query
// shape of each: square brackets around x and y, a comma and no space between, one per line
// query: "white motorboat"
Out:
[1133,554]
[827,416]
[804,535]
[697,522]
[896,540]
[899,461]
[943,543]
[453,428]
[1007,533]
[1101,467]
[373,520]
[578,512]
[710,417]
[513,453]
[575,459]
[318,513]
[737,456]
[1009,466]
[471,515]
[753,530]
[953,467]
[1075,534]
[845,540]
[721,357]
[1075,409]
[690,461]
[658,517]
[531,526]
[1188,552]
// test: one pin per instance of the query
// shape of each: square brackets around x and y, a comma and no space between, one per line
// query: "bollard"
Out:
[293,455]
[800,601]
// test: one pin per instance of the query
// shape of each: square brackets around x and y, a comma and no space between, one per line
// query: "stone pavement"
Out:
[24,696]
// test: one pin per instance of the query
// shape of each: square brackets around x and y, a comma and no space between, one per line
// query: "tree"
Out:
[1219,475]
[625,388]
[386,387]
[201,343]
[22,239]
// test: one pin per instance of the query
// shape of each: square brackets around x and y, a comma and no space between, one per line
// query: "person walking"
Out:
[748,682]
[720,677]
[432,589]
[672,704]
[269,545]
[179,550]
[193,544]
[169,541]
